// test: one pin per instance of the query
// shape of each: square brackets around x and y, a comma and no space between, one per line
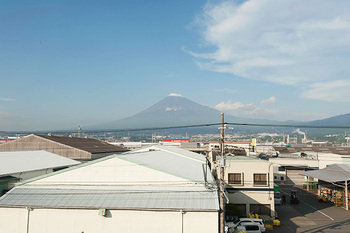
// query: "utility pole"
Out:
[79,131]
[222,177]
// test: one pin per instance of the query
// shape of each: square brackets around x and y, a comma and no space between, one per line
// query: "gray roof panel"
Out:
[190,198]
[188,166]
[333,173]
[23,161]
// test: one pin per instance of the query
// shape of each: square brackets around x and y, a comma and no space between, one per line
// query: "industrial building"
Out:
[333,183]
[82,149]
[154,189]
[294,160]
[18,166]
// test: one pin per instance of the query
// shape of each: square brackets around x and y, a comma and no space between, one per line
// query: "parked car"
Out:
[249,227]
[258,221]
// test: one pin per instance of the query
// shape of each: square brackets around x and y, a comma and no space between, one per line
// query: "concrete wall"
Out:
[248,193]
[15,220]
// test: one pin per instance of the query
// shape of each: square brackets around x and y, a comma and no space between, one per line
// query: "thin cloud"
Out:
[4,114]
[247,110]
[299,43]
[168,75]
[268,101]
[6,99]
[338,90]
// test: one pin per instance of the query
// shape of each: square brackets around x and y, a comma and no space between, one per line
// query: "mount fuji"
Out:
[175,110]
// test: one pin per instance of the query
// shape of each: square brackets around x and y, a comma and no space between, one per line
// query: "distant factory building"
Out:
[82,149]
[232,147]
[18,166]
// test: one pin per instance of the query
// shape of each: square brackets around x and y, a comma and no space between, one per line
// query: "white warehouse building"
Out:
[155,189]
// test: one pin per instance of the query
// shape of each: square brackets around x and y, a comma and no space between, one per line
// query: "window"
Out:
[252,227]
[260,179]
[282,178]
[235,178]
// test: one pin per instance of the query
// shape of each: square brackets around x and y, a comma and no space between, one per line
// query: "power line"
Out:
[292,126]
[177,127]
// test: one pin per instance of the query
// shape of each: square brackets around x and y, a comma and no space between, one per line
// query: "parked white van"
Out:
[249,227]
[251,220]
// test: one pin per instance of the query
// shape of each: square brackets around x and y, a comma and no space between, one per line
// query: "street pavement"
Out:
[310,215]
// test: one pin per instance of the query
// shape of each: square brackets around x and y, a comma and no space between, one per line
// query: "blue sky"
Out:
[65,63]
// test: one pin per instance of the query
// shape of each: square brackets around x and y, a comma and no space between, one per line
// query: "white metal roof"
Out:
[172,160]
[333,173]
[23,161]
[113,197]
[194,195]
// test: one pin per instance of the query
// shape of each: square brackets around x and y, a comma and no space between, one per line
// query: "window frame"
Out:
[260,182]
[235,181]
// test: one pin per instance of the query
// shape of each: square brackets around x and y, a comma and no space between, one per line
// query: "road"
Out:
[310,215]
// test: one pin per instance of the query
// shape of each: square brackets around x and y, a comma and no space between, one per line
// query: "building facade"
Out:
[249,184]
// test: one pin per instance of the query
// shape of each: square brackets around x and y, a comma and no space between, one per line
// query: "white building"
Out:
[229,144]
[18,166]
[288,166]
[250,184]
[155,189]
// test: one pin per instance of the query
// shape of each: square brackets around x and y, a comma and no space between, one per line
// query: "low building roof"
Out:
[245,158]
[24,161]
[232,142]
[172,160]
[113,197]
[334,150]
[333,173]
[91,145]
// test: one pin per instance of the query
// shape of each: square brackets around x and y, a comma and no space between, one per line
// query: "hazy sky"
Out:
[65,63]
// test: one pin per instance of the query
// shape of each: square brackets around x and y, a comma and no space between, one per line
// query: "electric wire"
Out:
[177,127]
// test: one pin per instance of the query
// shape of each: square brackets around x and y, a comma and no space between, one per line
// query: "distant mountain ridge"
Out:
[170,111]
[340,120]
[176,110]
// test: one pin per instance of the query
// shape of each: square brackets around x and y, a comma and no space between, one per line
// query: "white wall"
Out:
[14,220]
[251,196]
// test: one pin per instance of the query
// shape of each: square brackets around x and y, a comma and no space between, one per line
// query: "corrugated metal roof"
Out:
[172,160]
[334,150]
[182,152]
[243,158]
[333,173]
[87,144]
[23,161]
[189,198]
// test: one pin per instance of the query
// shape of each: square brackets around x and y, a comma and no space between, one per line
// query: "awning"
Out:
[333,173]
